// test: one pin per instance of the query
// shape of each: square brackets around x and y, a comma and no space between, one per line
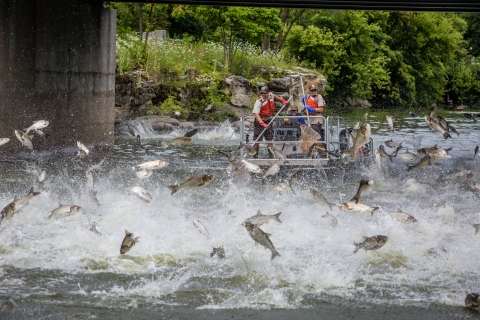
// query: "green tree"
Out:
[422,47]
[232,25]
[348,49]
[136,18]
[473,32]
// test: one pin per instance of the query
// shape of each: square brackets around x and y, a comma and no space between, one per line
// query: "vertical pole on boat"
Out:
[304,106]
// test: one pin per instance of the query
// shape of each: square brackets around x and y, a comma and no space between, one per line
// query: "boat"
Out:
[301,146]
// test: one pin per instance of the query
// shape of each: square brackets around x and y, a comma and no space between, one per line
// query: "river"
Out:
[59,269]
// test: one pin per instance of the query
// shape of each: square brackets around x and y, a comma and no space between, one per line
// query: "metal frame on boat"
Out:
[334,140]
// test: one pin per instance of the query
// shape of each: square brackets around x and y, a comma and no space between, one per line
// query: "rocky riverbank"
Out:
[135,96]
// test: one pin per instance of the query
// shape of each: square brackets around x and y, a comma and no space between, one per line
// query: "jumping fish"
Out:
[4,141]
[423,163]
[402,216]
[390,122]
[371,243]
[193,182]
[128,242]
[186,139]
[364,184]
[260,218]
[24,139]
[261,237]
[82,147]
[37,125]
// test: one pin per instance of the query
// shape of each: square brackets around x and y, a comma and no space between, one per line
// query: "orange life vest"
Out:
[268,108]
[312,104]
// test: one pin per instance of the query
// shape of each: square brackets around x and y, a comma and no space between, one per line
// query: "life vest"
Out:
[312,104]
[268,107]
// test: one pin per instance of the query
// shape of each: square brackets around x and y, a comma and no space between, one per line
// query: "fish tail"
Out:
[174,189]
[390,158]
[357,247]
[446,135]
[409,167]
[374,209]
[356,198]
[274,254]
[277,217]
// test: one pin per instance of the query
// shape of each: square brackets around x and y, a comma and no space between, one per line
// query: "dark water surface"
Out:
[59,269]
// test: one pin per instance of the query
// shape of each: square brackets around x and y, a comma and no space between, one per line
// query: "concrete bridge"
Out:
[57,61]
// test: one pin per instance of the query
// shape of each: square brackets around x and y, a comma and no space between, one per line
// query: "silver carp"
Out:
[403,216]
[24,139]
[37,125]
[200,227]
[142,193]
[4,141]
[82,147]
[64,211]
[273,169]
[277,153]
[252,167]
[390,122]
[407,156]
[423,163]
[260,218]
[192,182]
[261,237]
[472,300]
[143,173]
[220,252]
[128,242]
[357,208]
[392,144]
[186,139]
[371,243]
[319,197]
[151,165]
[363,185]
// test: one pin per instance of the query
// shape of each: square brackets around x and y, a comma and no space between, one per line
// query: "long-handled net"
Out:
[309,138]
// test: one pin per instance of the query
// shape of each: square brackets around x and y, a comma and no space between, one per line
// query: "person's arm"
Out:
[285,102]
[256,111]
[320,103]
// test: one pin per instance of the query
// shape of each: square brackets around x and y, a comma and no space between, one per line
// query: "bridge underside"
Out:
[57,63]
[386,5]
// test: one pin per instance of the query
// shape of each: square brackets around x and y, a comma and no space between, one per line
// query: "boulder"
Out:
[242,93]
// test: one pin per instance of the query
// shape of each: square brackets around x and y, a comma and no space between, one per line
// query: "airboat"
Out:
[301,146]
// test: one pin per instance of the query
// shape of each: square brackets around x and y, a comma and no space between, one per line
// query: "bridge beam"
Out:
[57,63]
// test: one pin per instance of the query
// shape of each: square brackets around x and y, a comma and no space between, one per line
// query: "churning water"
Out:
[59,268]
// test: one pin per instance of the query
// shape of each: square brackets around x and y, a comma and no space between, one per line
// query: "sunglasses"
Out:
[313,90]
[263,92]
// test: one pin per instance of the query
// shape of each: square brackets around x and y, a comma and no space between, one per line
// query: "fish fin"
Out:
[126,232]
[275,253]
[364,238]
[137,240]
[355,198]
[259,213]
[174,189]
[15,198]
[374,209]
[400,210]
[357,247]
[268,234]
[409,167]
[277,217]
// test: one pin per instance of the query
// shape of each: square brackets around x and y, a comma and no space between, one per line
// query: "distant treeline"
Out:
[390,58]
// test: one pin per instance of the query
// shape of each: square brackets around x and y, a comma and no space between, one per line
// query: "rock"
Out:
[186,124]
[280,84]
[154,119]
[241,90]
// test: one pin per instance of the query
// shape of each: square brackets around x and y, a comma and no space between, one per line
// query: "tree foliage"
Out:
[405,58]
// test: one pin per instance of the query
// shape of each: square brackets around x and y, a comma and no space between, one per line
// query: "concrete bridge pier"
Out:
[57,63]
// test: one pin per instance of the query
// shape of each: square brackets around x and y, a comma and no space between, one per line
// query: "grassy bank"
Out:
[206,58]
[180,63]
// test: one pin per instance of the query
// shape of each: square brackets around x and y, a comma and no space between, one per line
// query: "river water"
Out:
[59,269]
